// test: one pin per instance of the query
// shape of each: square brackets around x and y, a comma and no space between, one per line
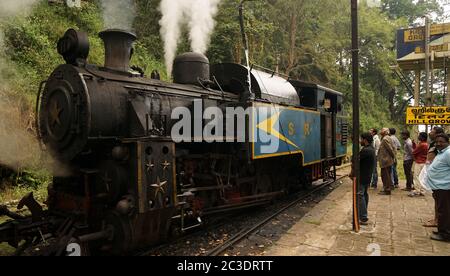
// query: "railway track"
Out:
[242,233]
[246,232]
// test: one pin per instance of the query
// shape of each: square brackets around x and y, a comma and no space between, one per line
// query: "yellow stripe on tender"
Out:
[268,126]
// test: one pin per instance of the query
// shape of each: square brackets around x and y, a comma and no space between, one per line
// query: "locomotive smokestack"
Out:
[118,48]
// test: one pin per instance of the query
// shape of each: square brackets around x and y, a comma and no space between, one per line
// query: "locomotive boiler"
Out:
[128,183]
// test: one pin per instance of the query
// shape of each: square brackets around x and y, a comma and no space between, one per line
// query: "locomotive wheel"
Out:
[122,232]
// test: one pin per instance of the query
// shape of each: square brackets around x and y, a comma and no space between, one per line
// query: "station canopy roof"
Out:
[410,48]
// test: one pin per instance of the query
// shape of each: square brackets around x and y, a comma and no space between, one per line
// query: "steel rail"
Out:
[242,234]
[245,232]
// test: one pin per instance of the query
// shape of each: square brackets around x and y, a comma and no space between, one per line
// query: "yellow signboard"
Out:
[418,34]
[438,29]
[428,115]
[434,48]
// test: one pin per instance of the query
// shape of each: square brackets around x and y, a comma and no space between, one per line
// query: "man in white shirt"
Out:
[376,145]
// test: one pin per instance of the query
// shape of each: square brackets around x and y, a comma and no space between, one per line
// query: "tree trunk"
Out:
[391,98]
[292,42]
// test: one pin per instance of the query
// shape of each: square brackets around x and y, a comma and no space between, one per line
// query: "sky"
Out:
[446,4]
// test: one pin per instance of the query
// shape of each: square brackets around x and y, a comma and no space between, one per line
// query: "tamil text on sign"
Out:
[428,116]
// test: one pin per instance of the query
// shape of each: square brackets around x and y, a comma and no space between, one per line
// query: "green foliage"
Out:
[143,58]
[147,26]
[411,10]
[29,179]
[31,43]
[15,184]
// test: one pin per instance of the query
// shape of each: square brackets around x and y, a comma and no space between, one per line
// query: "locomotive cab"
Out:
[334,124]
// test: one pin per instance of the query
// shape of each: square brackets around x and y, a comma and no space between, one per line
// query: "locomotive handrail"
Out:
[220,87]
[271,71]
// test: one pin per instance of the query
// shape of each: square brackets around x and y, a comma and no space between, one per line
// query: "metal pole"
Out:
[246,50]
[417,98]
[355,78]
[427,64]
[417,88]
[447,69]
[431,78]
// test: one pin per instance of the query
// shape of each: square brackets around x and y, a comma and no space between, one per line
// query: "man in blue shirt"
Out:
[438,179]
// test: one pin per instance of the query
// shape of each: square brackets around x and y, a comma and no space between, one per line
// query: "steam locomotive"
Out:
[129,185]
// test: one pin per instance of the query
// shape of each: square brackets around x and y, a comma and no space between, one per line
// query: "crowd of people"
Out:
[426,164]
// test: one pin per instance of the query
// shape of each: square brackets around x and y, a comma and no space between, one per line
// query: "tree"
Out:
[412,10]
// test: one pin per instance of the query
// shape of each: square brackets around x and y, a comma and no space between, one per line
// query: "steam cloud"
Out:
[19,147]
[172,17]
[199,17]
[15,7]
[118,14]
[202,23]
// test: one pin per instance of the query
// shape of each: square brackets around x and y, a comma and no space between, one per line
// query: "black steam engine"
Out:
[124,183]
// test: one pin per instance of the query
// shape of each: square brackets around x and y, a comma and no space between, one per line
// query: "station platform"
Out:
[395,227]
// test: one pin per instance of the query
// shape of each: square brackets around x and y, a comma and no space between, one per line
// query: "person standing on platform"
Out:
[438,179]
[398,147]
[367,160]
[386,158]
[376,145]
[432,152]
[408,160]
[420,159]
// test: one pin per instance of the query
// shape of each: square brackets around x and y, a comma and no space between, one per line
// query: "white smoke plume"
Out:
[172,17]
[15,7]
[119,14]
[197,14]
[202,23]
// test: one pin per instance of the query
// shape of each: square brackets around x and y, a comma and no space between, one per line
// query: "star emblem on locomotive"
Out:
[159,186]
[149,165]
[165,165]
[55,113]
